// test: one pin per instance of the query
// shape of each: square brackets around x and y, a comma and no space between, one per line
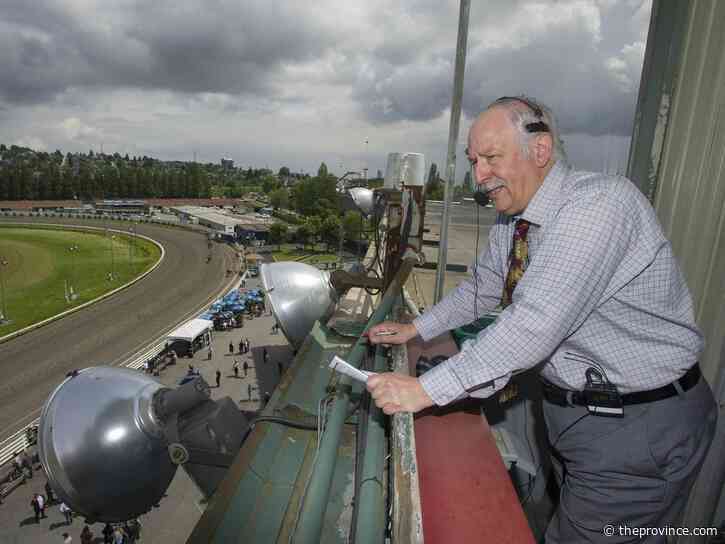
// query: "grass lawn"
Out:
[44,276]
[292,253]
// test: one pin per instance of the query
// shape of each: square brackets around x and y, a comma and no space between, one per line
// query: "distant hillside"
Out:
[26,174]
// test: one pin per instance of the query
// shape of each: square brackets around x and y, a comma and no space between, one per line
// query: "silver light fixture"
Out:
[110,440]
[363,199]
[299,295]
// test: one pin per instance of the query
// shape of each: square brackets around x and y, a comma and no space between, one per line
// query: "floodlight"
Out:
[110,440]
[299,295]
[363,199]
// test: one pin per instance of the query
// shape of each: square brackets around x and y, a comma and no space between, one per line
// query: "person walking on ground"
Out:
[246,345]
[36,507]
[41,504]
[49,493]
[249,390]
[24,462]
[246,368]
[231,348]
[86,535]
[209,353]
[241,346]
[235,368]
[218,377]
[66,511]
[119,535]
[108,534]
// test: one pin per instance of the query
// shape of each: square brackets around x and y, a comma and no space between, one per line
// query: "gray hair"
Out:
[532,112]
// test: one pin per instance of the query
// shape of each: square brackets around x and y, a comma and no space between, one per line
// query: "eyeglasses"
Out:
[539,126]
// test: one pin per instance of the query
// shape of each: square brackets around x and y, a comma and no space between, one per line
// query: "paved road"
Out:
[463,214]
[110,331]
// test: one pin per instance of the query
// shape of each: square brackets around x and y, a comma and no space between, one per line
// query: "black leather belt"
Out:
[564,397]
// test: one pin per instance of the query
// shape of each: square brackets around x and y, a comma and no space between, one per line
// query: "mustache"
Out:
[492,185]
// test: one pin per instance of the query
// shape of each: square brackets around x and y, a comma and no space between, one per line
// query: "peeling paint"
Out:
[344,520]
[663,117]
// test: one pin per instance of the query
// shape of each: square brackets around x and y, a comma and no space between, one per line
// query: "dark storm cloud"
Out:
[564,62]
[218,46]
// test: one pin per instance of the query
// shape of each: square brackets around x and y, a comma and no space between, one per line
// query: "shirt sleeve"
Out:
[457,307]
[564,282]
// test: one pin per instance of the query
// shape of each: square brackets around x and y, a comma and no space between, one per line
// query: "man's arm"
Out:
[564,282]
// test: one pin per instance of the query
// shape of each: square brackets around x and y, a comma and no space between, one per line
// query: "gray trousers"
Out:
[633,472]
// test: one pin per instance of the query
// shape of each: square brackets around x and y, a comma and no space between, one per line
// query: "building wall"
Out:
[678,160]
[690,195]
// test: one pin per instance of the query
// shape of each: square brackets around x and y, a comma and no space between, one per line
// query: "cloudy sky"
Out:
[295,83]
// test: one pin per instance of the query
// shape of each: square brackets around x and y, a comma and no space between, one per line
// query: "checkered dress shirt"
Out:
[602,289]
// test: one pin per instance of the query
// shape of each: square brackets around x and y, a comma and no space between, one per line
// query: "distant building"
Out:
[122,206]
[228,164]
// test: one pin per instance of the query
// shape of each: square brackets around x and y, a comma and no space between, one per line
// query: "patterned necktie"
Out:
[518,259]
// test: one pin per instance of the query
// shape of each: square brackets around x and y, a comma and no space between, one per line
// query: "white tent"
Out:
[190,330]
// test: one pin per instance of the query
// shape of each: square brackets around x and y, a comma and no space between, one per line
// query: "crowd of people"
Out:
[120,533]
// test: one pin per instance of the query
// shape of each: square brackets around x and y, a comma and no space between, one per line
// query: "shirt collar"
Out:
[543,204]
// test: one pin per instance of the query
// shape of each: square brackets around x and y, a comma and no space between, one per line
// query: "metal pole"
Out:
[309,525]
[113,260]
[72,292]
[130,250]
[3,264]
[370,497]
[452,142]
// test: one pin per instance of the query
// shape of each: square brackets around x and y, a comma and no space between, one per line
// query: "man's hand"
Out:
[389,332]
[398,393]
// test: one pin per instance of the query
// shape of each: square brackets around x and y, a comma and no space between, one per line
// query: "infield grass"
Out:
[48,271]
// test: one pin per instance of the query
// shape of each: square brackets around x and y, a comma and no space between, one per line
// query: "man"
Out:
[218,376]
[49,493]
[107,534]
[67,513]
[589,289]
[41,504]
[86,535]
[35,505]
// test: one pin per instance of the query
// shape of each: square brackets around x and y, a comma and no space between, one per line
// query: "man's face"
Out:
[498,162]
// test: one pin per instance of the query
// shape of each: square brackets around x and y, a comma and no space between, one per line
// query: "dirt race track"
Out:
[110,331]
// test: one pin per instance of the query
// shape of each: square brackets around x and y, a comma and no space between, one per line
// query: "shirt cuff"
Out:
[428,326]
[442,385]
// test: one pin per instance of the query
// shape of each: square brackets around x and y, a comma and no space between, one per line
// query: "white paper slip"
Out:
[346,368]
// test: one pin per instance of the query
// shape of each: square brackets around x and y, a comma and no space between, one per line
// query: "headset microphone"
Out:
[481,197]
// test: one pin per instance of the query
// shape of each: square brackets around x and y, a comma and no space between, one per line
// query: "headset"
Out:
[480,196]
